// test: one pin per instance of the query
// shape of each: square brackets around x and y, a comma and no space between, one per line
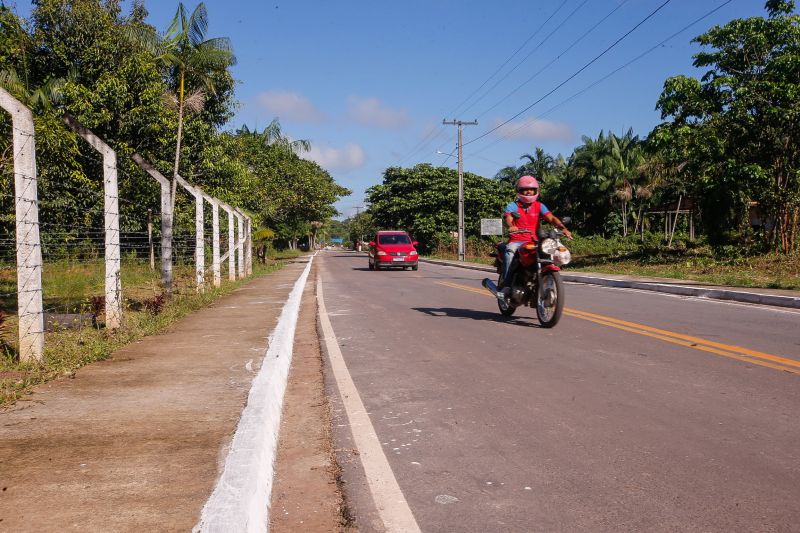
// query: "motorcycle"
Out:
[535,278]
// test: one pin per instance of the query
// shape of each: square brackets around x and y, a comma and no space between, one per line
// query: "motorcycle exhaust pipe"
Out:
[490,285]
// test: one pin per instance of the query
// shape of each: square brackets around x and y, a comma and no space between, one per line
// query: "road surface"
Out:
[639,411]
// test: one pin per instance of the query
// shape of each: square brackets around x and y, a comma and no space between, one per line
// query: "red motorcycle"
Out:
[535,279]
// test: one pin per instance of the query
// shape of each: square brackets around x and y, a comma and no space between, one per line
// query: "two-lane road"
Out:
[638,412]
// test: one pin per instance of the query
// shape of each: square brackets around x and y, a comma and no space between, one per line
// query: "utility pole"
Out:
[460,125]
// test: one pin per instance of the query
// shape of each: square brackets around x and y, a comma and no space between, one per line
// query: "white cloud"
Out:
[350,157]
[539,130]
[371,112]
[290,106]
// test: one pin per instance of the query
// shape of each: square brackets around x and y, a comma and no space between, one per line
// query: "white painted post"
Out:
[111,210]
[199,243]
[249,249]
[29,249]
[215,243]
[231,244]
[240,244]
[166,220]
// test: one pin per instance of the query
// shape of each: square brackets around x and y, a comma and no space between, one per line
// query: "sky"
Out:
[369,82]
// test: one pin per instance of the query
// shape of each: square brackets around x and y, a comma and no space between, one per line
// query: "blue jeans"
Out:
[511,249]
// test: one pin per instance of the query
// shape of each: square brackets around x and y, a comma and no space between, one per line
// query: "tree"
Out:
[196,63]
[423,201]
[738,127]
[540,165]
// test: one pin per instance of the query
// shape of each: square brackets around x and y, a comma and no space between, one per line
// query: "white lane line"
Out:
[241,497]
[389,500]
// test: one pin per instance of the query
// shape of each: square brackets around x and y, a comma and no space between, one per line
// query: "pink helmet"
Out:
[527,182]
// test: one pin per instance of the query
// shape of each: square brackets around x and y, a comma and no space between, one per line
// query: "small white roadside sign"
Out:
[491,226]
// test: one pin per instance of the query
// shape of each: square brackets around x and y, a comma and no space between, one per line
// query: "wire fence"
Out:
[111,252]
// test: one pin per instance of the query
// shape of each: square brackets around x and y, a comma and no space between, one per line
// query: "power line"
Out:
[450,138]
[567,49]
[527,56]
[523,45]
[602,79]
[584,67]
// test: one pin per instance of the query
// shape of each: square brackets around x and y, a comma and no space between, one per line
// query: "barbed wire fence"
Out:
[119,242]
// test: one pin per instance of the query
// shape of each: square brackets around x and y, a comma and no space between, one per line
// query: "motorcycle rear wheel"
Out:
[550,299]
[508,309]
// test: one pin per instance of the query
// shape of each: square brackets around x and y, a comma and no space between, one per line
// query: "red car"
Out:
[393,249]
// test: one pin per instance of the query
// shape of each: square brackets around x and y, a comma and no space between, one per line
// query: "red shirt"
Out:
[525,218]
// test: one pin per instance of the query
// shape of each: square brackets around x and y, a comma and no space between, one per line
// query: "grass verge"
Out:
[696,261]
[66,350]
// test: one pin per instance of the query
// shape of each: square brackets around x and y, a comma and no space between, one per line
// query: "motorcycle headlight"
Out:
[549,246]
[562,256]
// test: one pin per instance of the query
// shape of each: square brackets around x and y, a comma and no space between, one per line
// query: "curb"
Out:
[715,293]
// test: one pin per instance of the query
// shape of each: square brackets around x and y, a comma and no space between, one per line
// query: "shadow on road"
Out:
[475,315]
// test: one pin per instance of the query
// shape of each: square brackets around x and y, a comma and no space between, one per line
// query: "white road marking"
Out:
[241,497]
[392,506]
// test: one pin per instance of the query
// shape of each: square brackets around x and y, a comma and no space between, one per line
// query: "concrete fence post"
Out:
[113,283]
[166,220]
[215,268]
[249,247]
[199,244]
[231,243]
[29,249]
[240,243]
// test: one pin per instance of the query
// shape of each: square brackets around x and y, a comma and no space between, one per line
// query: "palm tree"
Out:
[273,136]
[508,175]
[541,164]
[194,59]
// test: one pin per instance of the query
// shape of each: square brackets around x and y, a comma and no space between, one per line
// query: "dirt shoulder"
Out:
[304,491]
[135,443]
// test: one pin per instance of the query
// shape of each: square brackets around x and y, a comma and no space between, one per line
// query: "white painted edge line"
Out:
[389,500]
[240,500]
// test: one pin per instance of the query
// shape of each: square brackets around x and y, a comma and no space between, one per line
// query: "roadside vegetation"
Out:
[712,193]
[166,93]
[689,260]
[75,334]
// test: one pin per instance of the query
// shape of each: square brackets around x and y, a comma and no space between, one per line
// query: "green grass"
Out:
[67,286]
[730,266]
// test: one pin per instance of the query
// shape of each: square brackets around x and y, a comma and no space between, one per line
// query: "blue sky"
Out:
[369,82]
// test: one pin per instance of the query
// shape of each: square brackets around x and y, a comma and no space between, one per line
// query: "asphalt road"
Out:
[639,411]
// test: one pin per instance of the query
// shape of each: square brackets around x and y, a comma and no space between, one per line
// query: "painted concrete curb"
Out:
[715,293]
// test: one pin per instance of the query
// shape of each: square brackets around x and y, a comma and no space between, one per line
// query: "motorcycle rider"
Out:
[525,213]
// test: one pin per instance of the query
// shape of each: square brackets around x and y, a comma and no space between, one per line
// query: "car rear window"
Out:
[394,239]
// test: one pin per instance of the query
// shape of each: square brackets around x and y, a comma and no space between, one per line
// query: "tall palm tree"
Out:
[194,59]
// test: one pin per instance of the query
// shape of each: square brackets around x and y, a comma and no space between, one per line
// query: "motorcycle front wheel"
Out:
[550,299]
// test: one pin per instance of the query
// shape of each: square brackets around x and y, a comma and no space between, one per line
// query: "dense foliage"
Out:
[424,201]
[727,155]
[88,58]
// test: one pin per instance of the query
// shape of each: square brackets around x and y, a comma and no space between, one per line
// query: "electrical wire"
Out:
[573,75]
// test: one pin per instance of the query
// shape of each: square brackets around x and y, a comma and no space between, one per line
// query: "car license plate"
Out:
[398,259]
